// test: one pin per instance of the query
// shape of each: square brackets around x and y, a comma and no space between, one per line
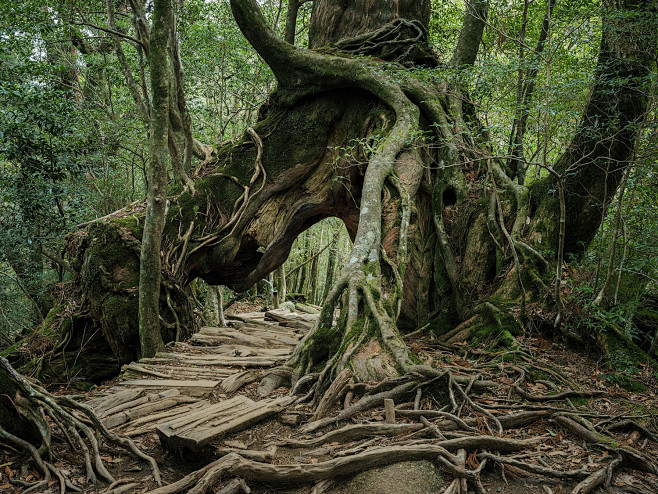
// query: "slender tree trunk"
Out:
[270,289]
[331,268]
[150,261]
[283,283]
[213,306]
[300,287]
[291,21]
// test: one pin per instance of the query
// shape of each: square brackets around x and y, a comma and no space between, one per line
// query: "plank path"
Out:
[188,394]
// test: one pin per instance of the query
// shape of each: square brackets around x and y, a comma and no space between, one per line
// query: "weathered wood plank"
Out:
[228,338]
[143,368]
[149,408]
[143,398]
[199,387]
[148,423]
[104,404]
[230,350]
[213,360]
[289,320]
[195,431]
[256,338]
[236,381]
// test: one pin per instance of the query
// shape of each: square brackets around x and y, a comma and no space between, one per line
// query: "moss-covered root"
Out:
[488,323]
[23,424]
[365,340]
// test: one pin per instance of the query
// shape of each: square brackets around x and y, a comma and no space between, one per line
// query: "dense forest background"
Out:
[74,145]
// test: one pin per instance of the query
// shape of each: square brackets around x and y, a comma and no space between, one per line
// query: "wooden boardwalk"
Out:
[188,395]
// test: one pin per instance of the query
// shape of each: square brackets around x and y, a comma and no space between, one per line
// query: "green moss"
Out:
[622,352]
[296,297]
[132,223]
[13,349]
[442,323]
[637,409]
[579,402]
[497,326]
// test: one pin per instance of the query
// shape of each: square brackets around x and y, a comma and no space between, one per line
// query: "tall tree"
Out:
[156,199]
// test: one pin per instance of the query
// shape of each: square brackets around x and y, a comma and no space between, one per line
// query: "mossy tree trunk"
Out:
[156,198]
[436,238]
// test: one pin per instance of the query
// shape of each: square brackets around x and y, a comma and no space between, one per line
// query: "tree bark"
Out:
[595,161]
[156,202]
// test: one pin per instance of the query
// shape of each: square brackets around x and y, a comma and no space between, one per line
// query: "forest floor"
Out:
[558,411]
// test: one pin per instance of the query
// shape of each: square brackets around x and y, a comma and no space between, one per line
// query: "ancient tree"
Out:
[445,234]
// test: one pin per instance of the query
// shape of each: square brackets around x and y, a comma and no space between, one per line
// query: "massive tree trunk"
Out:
[395,158]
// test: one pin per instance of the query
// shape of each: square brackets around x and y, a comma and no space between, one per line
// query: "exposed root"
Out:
[202,480]
[75,421]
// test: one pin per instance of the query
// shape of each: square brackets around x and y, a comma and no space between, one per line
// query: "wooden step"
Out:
[146,424]
[229,350]
[196,430]
[175,371]
[291,319]
[213,361]
[259,338]
[153,403]
[198,387]
[103,404]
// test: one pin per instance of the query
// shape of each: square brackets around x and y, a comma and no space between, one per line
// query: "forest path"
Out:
[187,394]
[198,410]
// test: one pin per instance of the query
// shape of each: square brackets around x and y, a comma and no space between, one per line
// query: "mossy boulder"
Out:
[410,477]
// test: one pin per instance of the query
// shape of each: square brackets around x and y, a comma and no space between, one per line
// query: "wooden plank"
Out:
[215,360]
[228,338]
[231,350]
[143,368]
[236,381]
[289,320]
[252,315]
[146,409]
[145,398]
[255,337]
[147,424]
[199,387]
[107,402]
[193,433]
[254,328]
[191,420]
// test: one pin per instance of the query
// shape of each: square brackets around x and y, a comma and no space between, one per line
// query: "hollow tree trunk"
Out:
[431,235]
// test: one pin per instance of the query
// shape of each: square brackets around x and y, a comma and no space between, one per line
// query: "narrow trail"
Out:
[188,394]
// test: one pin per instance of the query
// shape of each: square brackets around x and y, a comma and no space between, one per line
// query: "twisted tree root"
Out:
[233,464]
[34,401]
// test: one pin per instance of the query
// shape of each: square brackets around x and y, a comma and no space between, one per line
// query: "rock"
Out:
[290,306]
[411,477]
